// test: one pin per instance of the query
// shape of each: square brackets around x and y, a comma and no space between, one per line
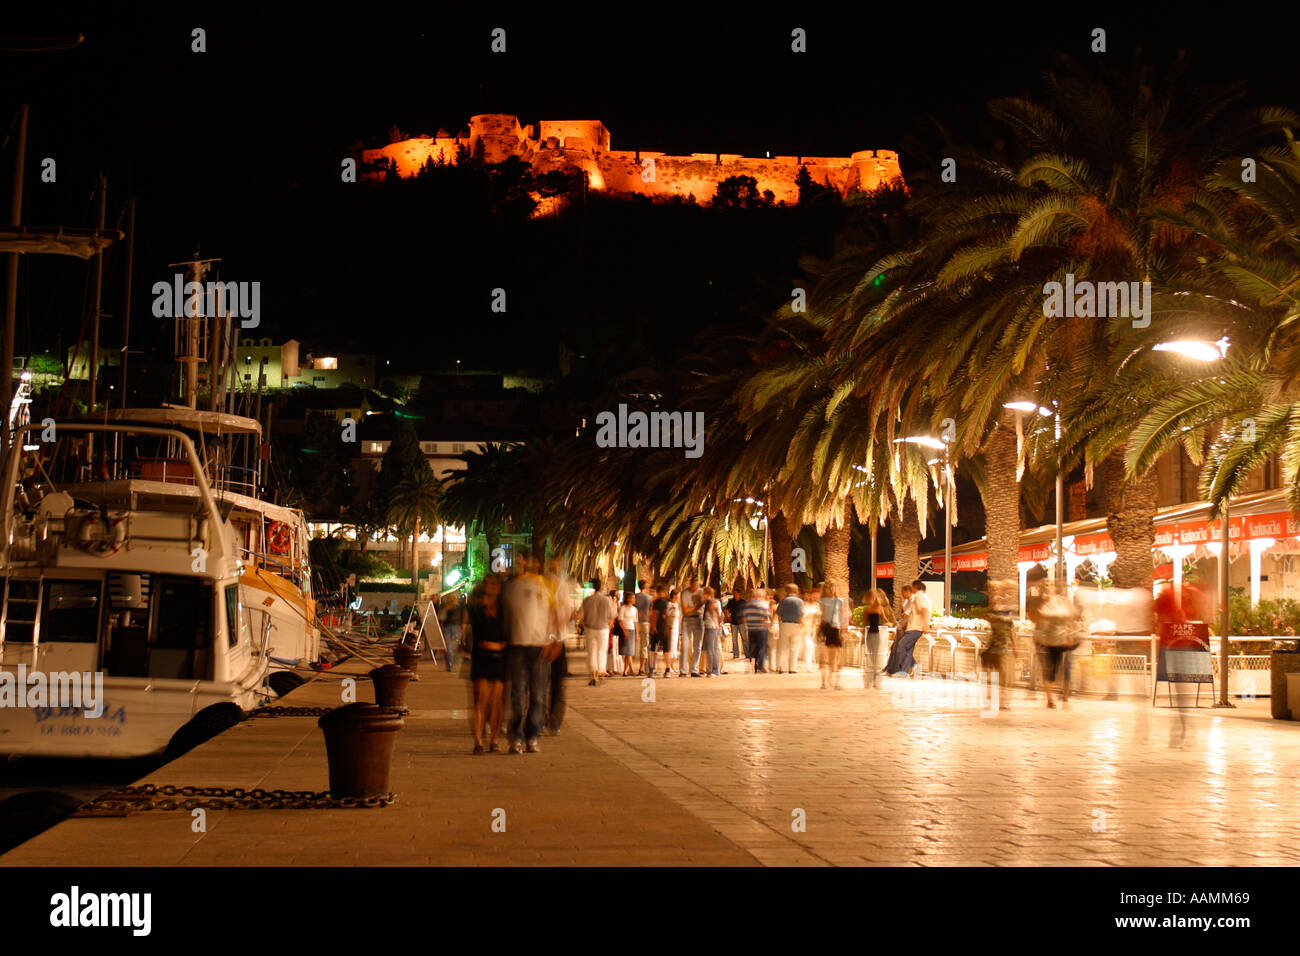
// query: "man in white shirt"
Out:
[597,618]
[922,608]
[917,620]
[532,621]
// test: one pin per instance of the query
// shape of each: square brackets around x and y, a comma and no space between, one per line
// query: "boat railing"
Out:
[221,477]
[17,509]
[275,565]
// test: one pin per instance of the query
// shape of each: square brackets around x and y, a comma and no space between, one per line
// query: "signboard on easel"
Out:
[1183,657]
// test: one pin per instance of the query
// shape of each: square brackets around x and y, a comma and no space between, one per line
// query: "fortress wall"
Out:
[500,134]
[411,154]
[593,130]
[584,144]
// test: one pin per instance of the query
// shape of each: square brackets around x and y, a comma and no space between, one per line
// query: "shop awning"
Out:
[1261,515]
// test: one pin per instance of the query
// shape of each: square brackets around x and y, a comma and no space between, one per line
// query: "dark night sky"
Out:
[210,142]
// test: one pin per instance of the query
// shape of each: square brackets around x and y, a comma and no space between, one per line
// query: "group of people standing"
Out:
[680,628]
[685,630]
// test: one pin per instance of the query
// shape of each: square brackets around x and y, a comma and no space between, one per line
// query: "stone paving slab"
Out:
[743,770]
[570,804]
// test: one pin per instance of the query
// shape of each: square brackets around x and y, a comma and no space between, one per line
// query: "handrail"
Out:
[216,542]
[294,574]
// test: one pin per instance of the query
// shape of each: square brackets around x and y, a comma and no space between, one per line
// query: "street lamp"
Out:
[1210,352]
[926,441]
[1055,413]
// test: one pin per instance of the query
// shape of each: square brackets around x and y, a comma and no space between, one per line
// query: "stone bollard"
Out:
[359,741]
[408,658]
[390,686]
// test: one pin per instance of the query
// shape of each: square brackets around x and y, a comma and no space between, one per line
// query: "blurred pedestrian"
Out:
[660,629]
[449,618]
[789,614]
[531,625]
[810,633]
[556,653]
[627,622]
[757,615]
[598,613]
[674,633]
[1054,616]
[834,616]
[879,614]
[487,663]
[735,613]
[997,657]
[692,624]
[645,600]
[711,618]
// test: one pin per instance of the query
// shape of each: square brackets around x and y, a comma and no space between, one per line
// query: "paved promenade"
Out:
[747,769]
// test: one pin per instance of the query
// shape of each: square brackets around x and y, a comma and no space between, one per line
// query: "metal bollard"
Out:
[390,686]
[359,741]
[408,658]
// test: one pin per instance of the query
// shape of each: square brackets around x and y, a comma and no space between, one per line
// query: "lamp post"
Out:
[1209,352]
[1055,414]
[949,491]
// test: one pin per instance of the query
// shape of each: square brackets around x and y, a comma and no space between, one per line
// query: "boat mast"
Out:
[191,333]
[11,289]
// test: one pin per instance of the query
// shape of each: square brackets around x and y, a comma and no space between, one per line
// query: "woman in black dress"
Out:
[487,659]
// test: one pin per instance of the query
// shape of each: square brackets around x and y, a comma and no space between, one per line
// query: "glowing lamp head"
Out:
[1195,349]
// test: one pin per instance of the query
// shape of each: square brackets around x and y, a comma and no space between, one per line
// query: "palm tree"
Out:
[1246,409]
[415,502]
[1106,165]
[482,494]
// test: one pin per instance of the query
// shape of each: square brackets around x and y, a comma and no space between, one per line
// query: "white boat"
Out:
[136,552]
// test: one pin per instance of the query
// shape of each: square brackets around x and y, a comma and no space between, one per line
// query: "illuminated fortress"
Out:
[585,144]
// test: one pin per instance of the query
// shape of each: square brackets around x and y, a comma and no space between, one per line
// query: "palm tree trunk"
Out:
[415,556]
[907,547]
[836,543]
[1130,513]
[1002,512]
[782,548]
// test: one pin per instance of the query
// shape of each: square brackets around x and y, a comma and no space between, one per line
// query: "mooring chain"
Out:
[291,712]
[148,797]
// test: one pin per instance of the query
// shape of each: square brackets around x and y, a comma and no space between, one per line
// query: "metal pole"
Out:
[99,288]
[126,294]
[947,532]
[1223,610]
[766,574]
[11,287]
[1060,508]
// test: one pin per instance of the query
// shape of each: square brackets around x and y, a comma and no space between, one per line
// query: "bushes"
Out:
[1269,618]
